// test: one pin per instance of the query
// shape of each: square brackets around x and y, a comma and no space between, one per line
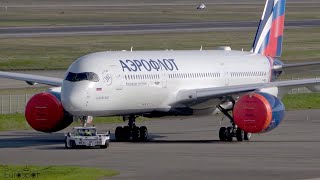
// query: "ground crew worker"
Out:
[87,133]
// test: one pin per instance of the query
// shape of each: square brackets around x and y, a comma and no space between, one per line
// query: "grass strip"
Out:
[43,53]
[53,172]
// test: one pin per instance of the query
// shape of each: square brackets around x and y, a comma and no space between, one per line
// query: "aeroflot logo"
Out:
[148,65]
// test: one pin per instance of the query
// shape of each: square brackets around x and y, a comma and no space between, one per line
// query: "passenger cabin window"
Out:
[89,76]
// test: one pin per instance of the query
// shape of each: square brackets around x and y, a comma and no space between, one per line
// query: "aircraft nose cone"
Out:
[73,98]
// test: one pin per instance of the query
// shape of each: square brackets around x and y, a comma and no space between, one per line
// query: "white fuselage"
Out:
[145,81]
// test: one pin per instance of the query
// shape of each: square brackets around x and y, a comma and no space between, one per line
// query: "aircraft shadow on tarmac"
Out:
[156,139]
[56,140]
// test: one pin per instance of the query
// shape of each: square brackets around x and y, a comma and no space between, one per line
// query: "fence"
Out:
[297,76]
[302,90]
[13,103]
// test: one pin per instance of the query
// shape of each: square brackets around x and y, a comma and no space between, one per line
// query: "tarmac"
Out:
[183,148]
[143,28]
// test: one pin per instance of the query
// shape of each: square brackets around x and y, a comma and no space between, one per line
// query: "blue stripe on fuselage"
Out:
[263,22]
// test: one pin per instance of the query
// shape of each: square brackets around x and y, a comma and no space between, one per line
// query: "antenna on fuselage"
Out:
[131,48]
[201,48]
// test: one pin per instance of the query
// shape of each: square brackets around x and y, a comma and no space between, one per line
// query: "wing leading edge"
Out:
[188,95]
[297,67]
[32,79]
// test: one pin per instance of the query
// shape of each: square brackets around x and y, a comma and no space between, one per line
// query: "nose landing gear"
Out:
[227,133]
[131,132]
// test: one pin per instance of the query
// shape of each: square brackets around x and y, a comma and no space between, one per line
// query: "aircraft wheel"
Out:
[126,133]
[229,134]
[240,134]
[143,133]
[222,134]
[119,133]
[247,136]
[136,134]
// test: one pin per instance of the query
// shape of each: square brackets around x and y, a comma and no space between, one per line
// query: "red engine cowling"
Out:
[45,113]
[258,112]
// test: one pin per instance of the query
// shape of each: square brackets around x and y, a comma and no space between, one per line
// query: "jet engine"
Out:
[45,113]
[258,112]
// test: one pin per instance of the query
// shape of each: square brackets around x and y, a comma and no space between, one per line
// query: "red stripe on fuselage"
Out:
[275,31]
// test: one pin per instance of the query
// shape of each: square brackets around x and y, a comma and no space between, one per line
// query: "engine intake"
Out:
[45,113]
[258,112]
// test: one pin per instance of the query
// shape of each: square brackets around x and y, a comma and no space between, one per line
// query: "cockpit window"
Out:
[89,76]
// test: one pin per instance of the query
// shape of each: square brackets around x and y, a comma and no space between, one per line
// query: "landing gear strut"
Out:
[131,132]
[227,133]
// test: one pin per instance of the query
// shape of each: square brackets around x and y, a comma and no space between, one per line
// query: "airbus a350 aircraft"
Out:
[167,83]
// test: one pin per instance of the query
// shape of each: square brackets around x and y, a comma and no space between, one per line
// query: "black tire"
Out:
[106,145]
[240,134]
[222,134]
[229,134]
[126,133]
[119,133]
[143,133]
[136,134]
[247,136]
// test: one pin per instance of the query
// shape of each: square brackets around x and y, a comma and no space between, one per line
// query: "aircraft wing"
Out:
[299,67]
[300,64]
[215,92]
[32,79]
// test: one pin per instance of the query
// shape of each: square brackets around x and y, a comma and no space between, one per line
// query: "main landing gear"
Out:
[131,132]
[227,133]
